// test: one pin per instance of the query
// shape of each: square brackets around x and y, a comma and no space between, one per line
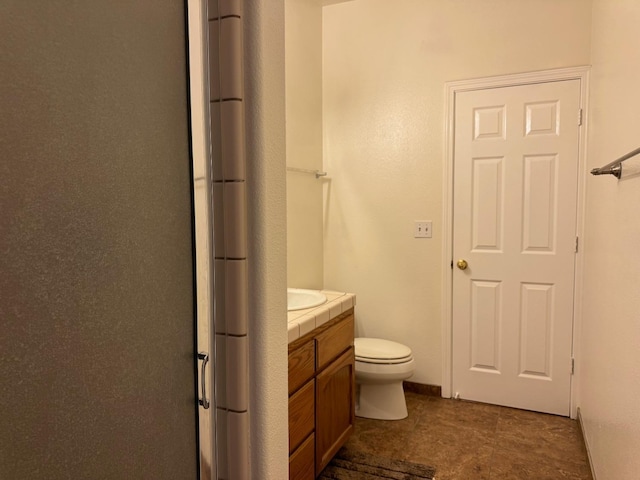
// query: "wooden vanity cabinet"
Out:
[321,396]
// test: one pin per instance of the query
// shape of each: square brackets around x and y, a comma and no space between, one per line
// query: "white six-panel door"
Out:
[514,223]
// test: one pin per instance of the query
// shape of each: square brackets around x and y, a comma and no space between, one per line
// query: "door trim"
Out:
[197,40]
[451,88]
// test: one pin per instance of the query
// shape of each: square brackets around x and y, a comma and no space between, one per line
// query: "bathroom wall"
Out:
[610,379]
[385,66]
[266,215]
[303,80]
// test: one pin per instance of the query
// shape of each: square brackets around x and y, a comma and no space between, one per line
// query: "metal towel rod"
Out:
[615,167]
[317,173]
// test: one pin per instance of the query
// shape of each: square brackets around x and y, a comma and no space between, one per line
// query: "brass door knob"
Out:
[462,264]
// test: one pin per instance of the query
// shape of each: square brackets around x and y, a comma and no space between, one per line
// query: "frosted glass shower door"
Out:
[97,332]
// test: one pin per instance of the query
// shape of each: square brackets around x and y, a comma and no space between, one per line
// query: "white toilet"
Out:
[381,366]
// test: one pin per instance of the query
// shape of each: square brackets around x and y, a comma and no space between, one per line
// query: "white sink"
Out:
[298,298]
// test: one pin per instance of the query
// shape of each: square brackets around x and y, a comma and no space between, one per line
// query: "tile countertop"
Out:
[303,321]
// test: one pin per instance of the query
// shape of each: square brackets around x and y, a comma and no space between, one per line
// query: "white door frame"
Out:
[451,88]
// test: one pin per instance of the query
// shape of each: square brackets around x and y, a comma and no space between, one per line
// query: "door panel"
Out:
[96,250]
[540,203]
[536,326]
[486,323]
[515,193]
[487,204]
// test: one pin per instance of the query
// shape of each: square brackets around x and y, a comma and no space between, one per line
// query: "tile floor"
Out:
[475,441]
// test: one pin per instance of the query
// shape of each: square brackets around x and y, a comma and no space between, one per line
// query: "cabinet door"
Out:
[335,407]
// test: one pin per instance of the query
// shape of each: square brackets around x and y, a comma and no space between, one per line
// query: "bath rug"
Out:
[349,464]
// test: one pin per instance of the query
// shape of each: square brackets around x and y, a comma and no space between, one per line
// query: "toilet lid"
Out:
[372,349]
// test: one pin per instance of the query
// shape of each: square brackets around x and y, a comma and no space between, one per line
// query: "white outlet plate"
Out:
[423,229]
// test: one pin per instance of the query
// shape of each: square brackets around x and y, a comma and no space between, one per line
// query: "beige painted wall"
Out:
[610,378]
[385,66]
[265,117]
[303,79]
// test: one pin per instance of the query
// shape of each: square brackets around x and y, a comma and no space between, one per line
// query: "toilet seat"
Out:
[380,351]
[375,361]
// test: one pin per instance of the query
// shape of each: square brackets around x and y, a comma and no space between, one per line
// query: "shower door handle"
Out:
[203,379]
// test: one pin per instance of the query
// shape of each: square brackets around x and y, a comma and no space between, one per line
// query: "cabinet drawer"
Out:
[301,415]
[302,364]
[334,341]
[302,462]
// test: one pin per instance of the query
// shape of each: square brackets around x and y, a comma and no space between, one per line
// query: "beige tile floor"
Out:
[475,441]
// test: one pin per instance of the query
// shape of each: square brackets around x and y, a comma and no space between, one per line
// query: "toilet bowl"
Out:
[381,366]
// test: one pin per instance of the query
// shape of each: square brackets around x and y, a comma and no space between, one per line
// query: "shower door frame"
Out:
[451,88]
[201,148]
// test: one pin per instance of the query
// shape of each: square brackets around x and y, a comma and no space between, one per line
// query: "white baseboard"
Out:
[586,444]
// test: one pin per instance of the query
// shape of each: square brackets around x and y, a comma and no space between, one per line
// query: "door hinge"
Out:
[577,243]
[573,365]
[580,117]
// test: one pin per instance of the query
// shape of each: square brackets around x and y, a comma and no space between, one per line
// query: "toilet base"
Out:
[382,401]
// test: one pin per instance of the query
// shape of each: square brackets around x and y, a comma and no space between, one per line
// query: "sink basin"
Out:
[298,298]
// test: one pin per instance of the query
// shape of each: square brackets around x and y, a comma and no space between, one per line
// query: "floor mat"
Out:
[349,464]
